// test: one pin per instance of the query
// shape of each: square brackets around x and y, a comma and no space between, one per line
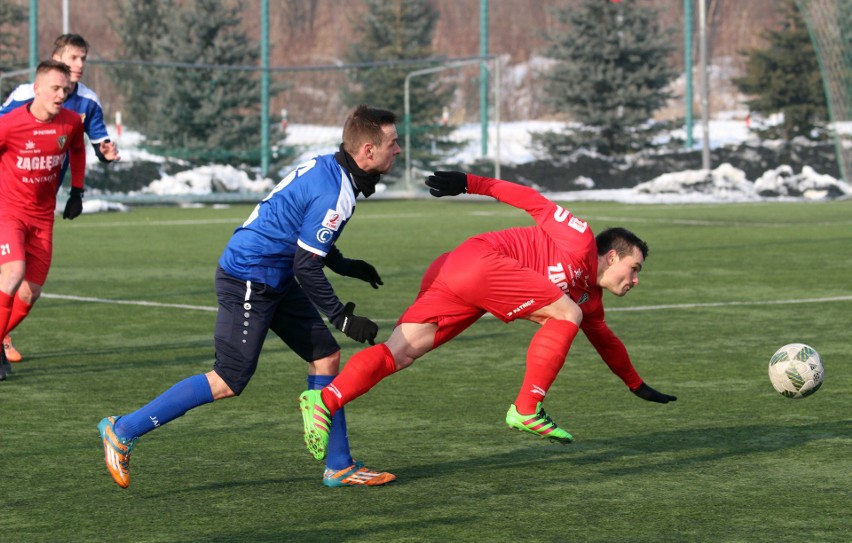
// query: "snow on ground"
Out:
[722,184]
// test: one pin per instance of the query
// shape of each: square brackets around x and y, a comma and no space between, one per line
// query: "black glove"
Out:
[74,206]
[364,271]
[360,329]
[647,393]
[447,183]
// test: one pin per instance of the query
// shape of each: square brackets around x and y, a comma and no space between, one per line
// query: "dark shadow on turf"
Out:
[662,452]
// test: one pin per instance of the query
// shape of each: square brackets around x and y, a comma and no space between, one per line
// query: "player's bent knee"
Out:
[219,388]
[564,309]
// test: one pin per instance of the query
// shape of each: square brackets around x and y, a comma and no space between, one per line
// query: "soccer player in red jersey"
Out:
[553,274]
[33,143]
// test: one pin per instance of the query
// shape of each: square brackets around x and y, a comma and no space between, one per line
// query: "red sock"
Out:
[545,357]
[361,373]
[20,310]
[5,312]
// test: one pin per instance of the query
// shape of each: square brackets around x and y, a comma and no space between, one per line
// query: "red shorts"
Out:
[475,278]
[32,244]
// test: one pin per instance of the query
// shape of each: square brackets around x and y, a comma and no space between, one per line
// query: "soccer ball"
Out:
[796,370]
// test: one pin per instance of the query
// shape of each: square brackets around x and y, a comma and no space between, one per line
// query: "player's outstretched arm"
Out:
[647,393]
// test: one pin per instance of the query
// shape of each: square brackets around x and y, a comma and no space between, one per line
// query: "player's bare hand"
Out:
[110,151]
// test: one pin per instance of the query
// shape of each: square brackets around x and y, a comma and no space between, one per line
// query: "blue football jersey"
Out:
[309,209]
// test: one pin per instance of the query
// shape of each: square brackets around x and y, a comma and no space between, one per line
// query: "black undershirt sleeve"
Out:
[308,268]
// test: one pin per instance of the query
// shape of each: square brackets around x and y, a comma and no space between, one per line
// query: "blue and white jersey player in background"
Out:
[72,50]
[270,277]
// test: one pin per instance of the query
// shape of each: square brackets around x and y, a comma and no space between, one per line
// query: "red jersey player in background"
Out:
[553,274]
[33,143]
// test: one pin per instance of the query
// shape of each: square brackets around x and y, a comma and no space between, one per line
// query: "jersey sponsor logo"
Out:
[44,132]
[30,145]
[332,220]
[39,162]
[557,276]
[520,308]
[41,179]
[575,274]
[560,214]
[324,235]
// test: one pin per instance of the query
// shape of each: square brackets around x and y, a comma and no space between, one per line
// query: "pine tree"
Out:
[140,26]
[785,77]
[11,15]
[204,114]
[611,76]
[393,30]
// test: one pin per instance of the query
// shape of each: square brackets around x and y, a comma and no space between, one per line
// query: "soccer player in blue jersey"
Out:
[270,277]
[72,50]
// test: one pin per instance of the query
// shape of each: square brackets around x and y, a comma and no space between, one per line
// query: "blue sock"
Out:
[171,404]
[338,456]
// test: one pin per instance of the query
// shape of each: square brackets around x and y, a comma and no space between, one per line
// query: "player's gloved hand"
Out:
[447,183]
[647,393]
[360,329]
[364,271]
[74,205]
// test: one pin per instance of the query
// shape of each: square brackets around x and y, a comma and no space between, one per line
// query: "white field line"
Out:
[507,213]
[637,308]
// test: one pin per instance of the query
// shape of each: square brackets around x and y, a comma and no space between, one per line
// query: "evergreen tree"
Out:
[199,113]
[140,25]
[11,16]
[785,77]
[392,30]
[610,77]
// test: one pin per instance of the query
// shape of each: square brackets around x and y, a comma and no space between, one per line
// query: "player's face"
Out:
[622,272]
[50,89]
[75,58]
[382,156]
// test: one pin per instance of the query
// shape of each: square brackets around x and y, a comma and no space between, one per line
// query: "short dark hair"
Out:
[620,239]
[49,65]
[364,125]
[74,40]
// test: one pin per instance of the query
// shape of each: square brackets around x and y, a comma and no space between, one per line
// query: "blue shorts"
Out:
[247,311]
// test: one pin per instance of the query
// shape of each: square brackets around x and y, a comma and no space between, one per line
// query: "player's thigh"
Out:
[300,326]
[13,234]
[244,314]
[39,246]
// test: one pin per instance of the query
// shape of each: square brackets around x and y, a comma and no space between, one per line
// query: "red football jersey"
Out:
[562,248]
[31,155]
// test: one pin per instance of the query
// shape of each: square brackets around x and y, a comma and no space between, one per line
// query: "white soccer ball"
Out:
[796,370]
